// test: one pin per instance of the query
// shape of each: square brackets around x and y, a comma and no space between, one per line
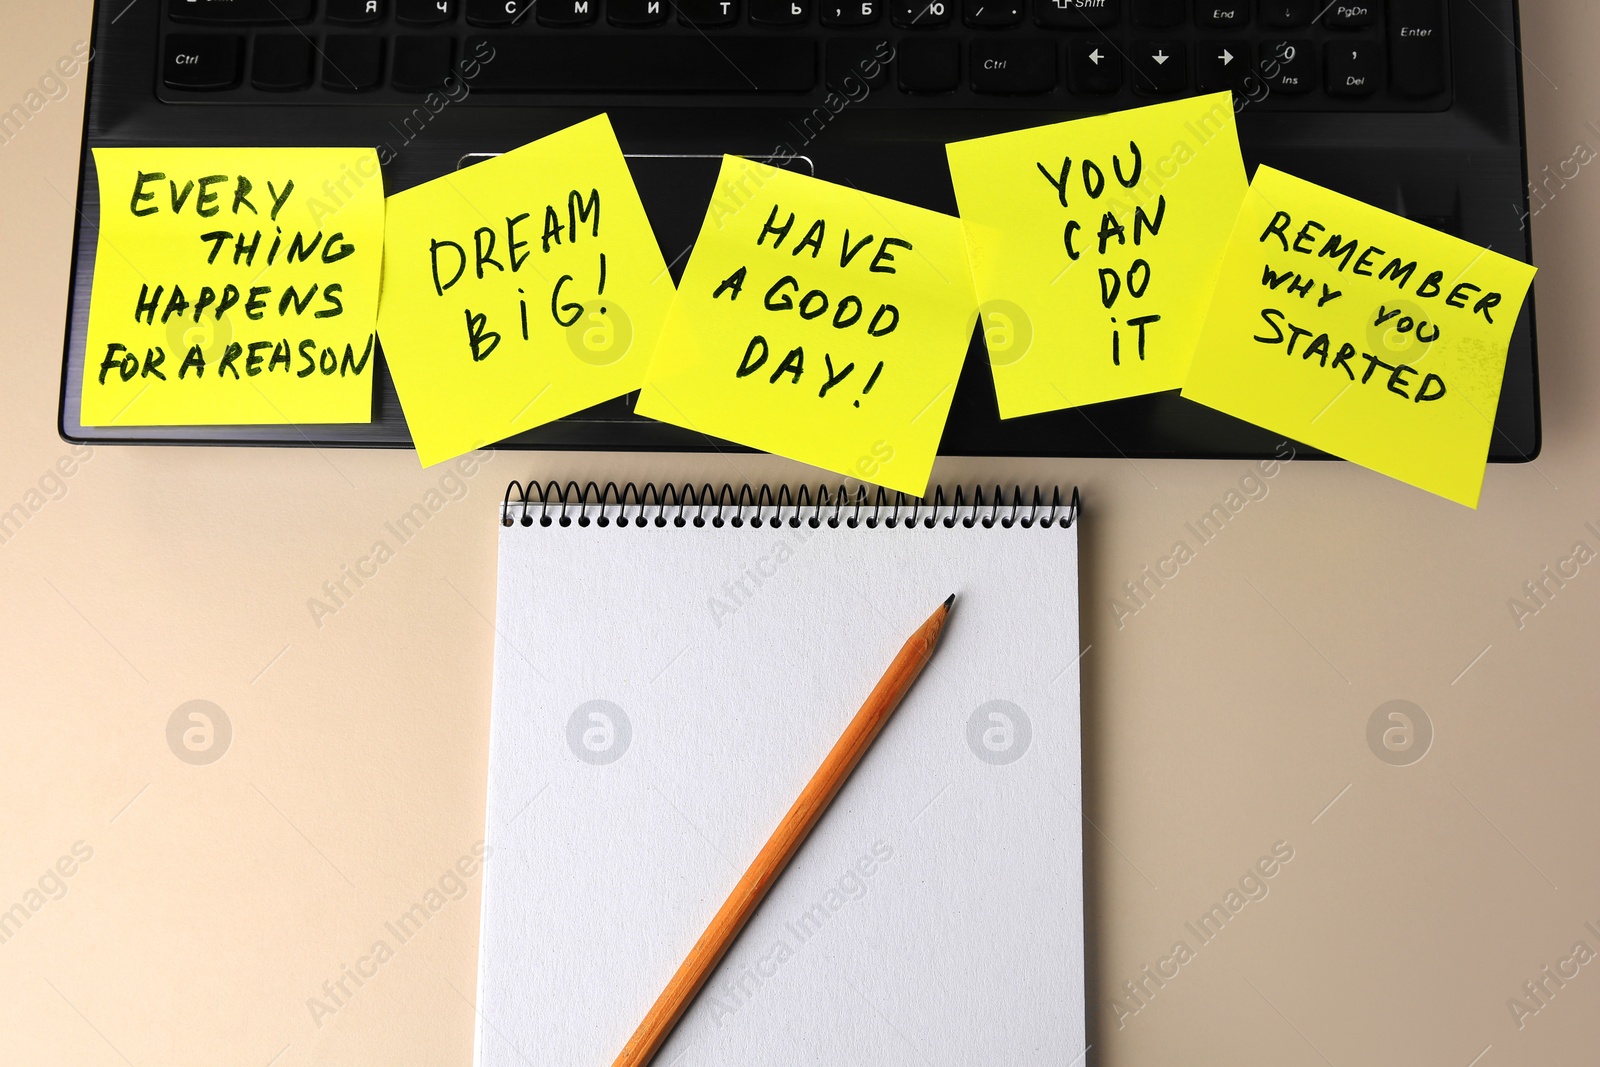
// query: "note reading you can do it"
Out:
[234,285]
[817,322]
[1360,333]
[520,290]
[1094,245]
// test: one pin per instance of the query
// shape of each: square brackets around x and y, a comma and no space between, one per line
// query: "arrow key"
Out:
[1160,68]
[1222,65]
[1093,68]
[1288,14]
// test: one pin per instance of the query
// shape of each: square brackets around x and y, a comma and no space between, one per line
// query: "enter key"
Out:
[1416,47]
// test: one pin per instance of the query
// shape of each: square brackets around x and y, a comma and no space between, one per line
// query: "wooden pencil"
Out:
[785,842]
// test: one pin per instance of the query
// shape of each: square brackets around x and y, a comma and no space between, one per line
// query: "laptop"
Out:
[1412,105]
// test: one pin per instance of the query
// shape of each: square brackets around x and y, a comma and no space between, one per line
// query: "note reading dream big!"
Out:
[817,322]
[234,285]
[1360,333]
[520,290]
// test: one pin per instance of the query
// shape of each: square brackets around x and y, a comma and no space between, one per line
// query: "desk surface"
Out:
[211,909]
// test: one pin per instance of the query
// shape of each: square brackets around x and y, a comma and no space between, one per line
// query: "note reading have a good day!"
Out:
[234,285]
[1094,245]
[1360,333]
[520,290]
[817,322]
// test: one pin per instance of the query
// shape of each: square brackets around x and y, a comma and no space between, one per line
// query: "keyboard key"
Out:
[853,63]
[928,65]
[1353,68]
[1287,14]
[920,14]
[239,10]
[354,11]
[654,12]
[352,63]
[694,12]
[774,12]
[1159,14]
[1093,68]
[1350,16]
[1222,65]
[1077,14]
[202,61]
[845,13]
[421,63]
[1160,68]
[689,63]
[566,12]
[1416,47]
[424,12]
[1013,67]
[1287,67]
[992,14]
[281,63]
[497,12]
[1211,15]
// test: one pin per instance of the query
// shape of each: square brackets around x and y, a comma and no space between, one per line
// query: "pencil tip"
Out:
[951,599]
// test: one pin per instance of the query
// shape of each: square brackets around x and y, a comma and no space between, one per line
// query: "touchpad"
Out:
[676,188]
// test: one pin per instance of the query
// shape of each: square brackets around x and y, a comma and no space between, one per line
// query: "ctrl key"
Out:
[202,61]
[1013,67]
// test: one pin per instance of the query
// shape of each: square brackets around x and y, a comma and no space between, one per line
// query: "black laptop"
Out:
[1412,105]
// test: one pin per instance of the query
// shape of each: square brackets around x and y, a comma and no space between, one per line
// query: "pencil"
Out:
[784,842]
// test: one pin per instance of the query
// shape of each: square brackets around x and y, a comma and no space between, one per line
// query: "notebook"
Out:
[671,666]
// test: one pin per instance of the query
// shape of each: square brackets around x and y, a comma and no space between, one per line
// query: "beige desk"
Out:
[211,906]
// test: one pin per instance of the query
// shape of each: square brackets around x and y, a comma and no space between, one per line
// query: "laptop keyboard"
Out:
[1305,55]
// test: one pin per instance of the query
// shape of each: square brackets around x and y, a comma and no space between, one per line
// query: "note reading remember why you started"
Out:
[519,290]
[820,323]
[1094,245]
[1361,333]
[234,285]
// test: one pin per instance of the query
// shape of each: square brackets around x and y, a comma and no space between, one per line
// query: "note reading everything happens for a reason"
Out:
[1361,333]
[1094,246]
[520,290]
[234,285]
[820,323]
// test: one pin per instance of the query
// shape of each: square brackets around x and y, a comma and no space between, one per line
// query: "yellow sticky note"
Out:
[520,290]
[1360,333]
[1094,245]
[234,285]
[820,323]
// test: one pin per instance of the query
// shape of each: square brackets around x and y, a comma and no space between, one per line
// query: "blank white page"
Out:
[661,697]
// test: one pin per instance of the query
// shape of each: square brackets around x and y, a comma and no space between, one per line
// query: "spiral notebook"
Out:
[670,668]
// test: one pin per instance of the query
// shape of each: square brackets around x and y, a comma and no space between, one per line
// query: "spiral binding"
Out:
[592,504]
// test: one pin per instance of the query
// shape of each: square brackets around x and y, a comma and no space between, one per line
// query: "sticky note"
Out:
[818,322]
[1361,333]
[1094,246]
[519,290]
[234,285]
